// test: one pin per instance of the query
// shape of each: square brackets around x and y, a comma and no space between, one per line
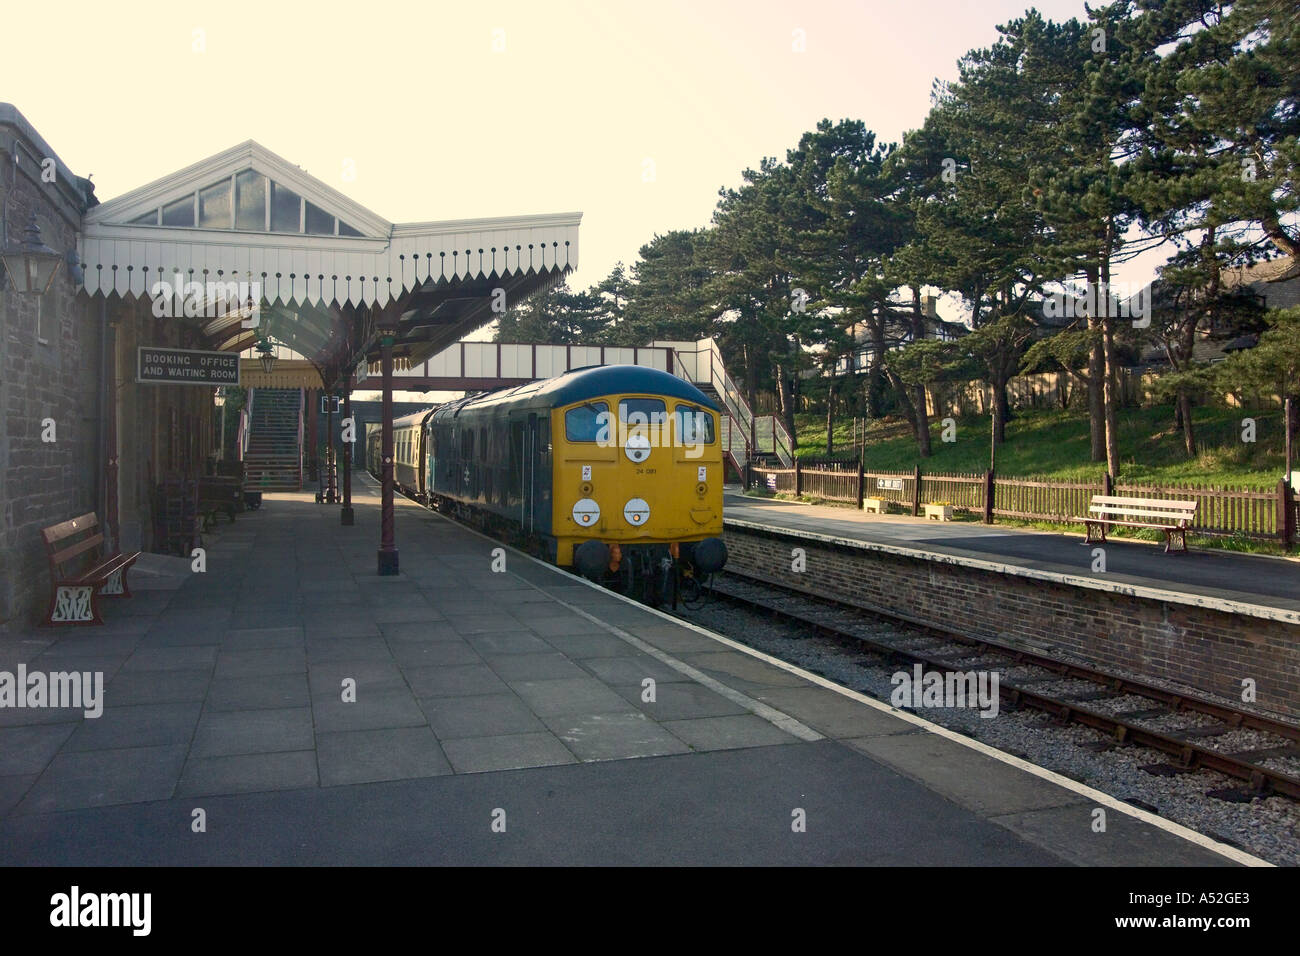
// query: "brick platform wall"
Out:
[1207,650]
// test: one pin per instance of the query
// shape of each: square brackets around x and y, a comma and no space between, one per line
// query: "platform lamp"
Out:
[266,355]
[31,264]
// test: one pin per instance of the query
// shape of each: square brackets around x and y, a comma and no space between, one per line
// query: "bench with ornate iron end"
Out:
[1171,517]
[80,572]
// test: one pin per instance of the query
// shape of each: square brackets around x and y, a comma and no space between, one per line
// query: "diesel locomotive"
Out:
[613,471]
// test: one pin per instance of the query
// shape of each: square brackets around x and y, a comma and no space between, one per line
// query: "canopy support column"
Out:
[347,516]
[329,482]
[388,564]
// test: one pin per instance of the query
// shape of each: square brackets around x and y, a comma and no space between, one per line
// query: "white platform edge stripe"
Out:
[1160,823]
[1177,829]
[773,716]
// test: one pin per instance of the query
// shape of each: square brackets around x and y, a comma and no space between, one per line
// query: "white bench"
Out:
[1171,517]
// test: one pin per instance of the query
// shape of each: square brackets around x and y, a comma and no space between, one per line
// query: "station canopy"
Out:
[323,269]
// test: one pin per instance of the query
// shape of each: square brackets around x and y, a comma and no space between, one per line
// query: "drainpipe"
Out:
[107,445]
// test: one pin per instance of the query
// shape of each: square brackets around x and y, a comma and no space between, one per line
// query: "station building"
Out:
[124,321]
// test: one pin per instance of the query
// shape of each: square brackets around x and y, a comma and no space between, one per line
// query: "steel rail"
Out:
[1191,756]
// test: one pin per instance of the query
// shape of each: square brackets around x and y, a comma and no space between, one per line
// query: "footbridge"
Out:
[483,366]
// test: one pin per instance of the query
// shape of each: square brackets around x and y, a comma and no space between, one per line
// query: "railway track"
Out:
[1197,733]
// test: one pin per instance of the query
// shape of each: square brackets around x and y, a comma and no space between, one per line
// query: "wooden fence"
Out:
[1251,513]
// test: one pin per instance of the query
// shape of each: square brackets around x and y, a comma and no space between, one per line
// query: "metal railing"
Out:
[302,401]
[734,432]
[709,369]
[246,424]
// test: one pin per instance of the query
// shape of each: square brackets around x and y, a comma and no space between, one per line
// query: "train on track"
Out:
[612,471]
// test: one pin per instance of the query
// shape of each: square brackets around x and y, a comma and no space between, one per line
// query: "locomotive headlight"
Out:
[586,513]
[636,512]
[637,448]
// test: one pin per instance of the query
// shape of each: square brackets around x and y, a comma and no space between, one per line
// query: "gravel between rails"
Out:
[1268,828]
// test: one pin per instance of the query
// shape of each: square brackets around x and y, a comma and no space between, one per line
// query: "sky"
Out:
[634,113]
[439,116]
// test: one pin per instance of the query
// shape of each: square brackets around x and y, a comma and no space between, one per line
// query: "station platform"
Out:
[1259,585]
[499,718]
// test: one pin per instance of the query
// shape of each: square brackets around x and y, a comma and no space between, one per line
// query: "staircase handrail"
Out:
[734,406]
[727,389]
[302,392]
[781,443]
[782,447]
[248,427]
[740,409]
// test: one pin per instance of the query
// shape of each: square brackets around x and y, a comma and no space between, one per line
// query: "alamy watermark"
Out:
[1118,299]
[81,690]
[918,689]
[80,909]
[188,298]
[655,430]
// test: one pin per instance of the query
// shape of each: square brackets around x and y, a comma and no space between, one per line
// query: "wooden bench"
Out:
[1171,517]
[80,572]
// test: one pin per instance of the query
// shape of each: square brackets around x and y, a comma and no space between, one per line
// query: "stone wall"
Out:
[50,387]
[1201,648]
[49,374]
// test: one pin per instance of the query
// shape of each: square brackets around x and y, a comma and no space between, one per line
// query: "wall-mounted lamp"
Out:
[31,264]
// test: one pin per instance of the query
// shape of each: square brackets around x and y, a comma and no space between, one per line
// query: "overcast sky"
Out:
[439,125]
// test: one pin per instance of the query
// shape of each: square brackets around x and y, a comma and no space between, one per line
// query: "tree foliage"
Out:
[1059,152]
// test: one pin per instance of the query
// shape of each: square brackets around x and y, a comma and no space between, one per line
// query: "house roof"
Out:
[1277,281]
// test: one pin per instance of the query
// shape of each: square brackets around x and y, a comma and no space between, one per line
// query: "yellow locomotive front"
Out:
[638,492]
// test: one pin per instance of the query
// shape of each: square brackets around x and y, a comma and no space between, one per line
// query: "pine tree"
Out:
[668,299]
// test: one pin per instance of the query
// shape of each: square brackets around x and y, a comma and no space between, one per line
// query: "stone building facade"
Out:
[319,276]
[57,352]
[49,372]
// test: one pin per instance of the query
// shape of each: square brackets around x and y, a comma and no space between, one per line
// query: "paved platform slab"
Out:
[1260,580]
[318,713]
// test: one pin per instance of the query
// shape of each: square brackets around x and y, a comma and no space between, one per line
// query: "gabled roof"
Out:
[247,156]
[125,248]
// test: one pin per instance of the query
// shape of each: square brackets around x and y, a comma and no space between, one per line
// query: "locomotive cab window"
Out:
[584,423]
[694,425]
[642,411]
